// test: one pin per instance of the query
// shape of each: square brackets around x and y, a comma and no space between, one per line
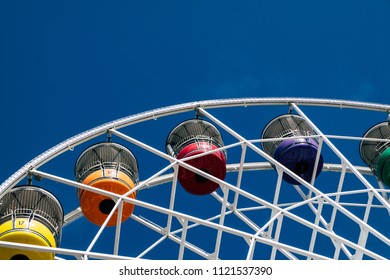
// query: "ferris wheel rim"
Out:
[30,169]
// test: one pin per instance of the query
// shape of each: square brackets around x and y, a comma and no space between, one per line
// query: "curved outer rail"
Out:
[174,109]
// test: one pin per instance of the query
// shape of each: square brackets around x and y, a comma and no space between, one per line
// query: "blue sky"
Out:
[69,66]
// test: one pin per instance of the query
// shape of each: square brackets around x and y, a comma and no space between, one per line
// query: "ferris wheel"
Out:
[247,178]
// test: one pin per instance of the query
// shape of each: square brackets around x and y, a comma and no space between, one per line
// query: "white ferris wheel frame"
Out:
[266,233]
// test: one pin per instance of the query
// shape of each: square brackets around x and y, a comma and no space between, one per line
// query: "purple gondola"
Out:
[293,146]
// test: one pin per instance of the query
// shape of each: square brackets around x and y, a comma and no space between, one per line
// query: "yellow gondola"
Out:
[30,215]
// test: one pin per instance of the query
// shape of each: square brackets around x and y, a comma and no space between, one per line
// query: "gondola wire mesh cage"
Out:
[33,203]
[106,155]
[283,127]
[191,131]
[370,150]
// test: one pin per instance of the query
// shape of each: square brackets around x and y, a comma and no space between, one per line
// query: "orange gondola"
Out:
[110,167]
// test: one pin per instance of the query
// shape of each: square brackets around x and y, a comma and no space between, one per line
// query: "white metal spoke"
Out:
[343,158]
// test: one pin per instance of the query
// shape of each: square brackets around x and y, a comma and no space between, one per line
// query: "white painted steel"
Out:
[321,221]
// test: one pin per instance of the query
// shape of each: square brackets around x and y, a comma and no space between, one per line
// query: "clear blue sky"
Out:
[69,66]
